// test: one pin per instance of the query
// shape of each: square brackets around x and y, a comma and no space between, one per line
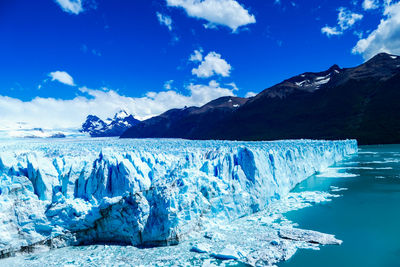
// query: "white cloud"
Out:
[217,12]
[71,6]
[386,38]
[329,31]
[197,55]
[62,77]
[233,85]
[210,65]
[202,93]
[250,94]
[370,4]
[165,20]
[346,19]
[168,84]
[51,113]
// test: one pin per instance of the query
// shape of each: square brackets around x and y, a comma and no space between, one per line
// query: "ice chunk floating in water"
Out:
[143,192]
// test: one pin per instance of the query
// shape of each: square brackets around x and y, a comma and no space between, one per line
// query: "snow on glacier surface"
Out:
[143,192]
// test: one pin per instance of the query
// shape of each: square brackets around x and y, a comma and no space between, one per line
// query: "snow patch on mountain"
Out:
[308,82]
[314,83]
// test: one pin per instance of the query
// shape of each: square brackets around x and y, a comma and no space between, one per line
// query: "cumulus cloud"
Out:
[212,64]
[51,113]
[227,13]
[385,38]
[62,77]
[71,6]
[346,19]
[165,20]
[370,4]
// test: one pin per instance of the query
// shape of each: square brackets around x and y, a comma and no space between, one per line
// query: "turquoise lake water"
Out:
[366,217]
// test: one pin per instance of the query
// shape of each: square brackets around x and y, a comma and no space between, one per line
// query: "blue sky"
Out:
[148,56]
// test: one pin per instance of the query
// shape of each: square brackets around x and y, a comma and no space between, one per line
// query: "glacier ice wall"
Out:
[143,192]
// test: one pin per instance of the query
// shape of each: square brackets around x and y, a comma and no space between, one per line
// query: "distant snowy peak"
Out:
[122,114]
[96,127]
[93,123]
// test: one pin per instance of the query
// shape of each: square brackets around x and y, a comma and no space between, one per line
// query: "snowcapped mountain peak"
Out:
[93,123]
[96,127]
[122,114]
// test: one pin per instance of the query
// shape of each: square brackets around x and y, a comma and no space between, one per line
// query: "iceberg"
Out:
[146,193]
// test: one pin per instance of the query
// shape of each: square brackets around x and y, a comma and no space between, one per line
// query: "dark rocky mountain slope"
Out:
[192,122]
[361,103]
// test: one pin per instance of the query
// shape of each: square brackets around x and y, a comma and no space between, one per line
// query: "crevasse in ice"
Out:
[143,192]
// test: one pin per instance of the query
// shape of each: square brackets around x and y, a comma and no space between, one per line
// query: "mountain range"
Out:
[340,103]
[96,127]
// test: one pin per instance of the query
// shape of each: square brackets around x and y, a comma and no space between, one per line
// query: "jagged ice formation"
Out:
[143,192]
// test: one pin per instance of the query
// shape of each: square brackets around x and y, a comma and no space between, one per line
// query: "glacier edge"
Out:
[144,192]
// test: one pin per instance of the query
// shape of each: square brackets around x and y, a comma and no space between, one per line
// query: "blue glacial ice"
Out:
[260,239]
[146,192]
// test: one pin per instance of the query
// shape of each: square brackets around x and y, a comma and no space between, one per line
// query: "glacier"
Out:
[260,239]
[146,193]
